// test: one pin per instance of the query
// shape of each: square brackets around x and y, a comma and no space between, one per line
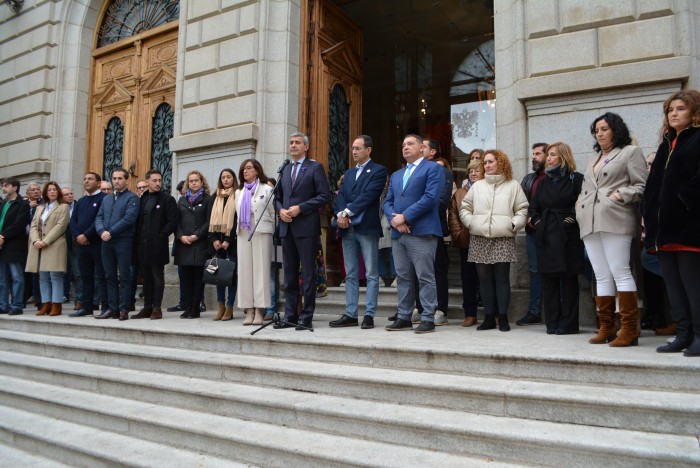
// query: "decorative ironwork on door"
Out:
[338,135]
[114,147]
[126,18]
[161,156]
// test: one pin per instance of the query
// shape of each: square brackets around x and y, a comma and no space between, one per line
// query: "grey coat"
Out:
[625,173]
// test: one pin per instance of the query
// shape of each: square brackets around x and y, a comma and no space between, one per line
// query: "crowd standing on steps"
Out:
[53,243]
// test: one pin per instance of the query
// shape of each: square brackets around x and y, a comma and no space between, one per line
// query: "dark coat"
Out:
[82,220]
[310,193]
[14,230]
[671,203]
[559,245]
[158,218]
[194,219]
[118,217]
[361,197]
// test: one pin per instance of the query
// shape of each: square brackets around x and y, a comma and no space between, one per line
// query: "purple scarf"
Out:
[193,196]
[245,213]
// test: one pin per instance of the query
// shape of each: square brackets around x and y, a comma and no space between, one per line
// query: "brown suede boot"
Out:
[220,313]
[249,315]
[157,313]
[56,309]
[606,313]
[228,314]
[629,316]
[144,313]
[45,308]
[259,314]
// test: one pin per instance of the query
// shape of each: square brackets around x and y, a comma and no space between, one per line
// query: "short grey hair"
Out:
[299,134]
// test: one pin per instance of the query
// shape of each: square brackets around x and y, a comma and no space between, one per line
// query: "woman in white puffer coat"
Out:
[494,210]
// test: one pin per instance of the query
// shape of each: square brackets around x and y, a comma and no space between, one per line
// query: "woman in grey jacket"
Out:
[608,215]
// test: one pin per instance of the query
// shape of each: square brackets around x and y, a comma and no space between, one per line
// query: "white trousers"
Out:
[610,257]
[254,270]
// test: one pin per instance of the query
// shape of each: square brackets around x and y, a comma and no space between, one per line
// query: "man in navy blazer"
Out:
[302,192]
[357,211]
[412,206]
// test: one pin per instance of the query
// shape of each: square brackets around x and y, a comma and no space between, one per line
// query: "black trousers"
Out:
[681,272]
[470,284]
[494,284]
[560,297]
[153,280]
[192,286]
[90,266]
[299,250]
[655,299]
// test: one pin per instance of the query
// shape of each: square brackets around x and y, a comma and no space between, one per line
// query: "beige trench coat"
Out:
[54,255]
[625,173]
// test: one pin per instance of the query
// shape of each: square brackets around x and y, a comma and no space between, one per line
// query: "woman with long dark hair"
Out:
[222,237]
[672,216]
[607,212]
[254,255]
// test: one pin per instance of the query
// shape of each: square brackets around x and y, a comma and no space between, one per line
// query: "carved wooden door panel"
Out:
[133,88]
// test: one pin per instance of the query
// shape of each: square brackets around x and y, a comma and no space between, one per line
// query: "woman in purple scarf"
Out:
[254,255]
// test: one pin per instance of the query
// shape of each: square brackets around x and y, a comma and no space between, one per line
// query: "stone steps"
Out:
[338,397]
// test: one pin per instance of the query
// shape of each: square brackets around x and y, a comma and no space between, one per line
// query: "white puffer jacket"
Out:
[494,207]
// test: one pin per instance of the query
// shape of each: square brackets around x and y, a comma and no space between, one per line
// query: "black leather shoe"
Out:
[529,319]
[399,325]
[16,312]
[177,308]
[287,323]
[367,322]
[185,314]
[81,313]
[305,324]
[107,314]
[123,315]
[4,312]
[344,321]
[393,318]
[503,324]
[425,327]
[694,349]
[194,314]
[489,323]
[676,346]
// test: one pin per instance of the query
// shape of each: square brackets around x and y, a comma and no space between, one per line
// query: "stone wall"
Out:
[238,84]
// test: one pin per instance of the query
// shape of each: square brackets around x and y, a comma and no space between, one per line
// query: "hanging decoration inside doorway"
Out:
[125,18]
[114,147]
[162,157]
[338,135]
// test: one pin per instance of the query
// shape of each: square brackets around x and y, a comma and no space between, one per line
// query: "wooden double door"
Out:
[132,104]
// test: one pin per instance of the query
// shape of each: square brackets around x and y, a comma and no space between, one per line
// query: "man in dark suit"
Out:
[412,207]
[357,211]
[89,244]
[14,217]
[158,218]
[302,192]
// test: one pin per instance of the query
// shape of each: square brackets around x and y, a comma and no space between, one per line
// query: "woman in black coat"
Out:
[192,246]
[671,209]
[559,246]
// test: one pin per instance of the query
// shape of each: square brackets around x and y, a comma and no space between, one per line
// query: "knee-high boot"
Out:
[606,317]
[629,317]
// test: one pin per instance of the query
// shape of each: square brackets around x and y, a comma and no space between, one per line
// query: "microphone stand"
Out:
[275,238]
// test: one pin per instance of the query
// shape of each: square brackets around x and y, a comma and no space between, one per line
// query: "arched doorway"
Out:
[133,88]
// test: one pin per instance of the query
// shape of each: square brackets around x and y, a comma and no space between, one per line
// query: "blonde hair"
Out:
[565,154]
[186,185]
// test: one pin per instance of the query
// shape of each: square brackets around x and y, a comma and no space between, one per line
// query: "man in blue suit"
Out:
[302,192]
[412,206]
[357,211]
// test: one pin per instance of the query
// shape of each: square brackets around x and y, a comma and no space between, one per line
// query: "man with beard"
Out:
[14,217]
[529,184]
[157,219]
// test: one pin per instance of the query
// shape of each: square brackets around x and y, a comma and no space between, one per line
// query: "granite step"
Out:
[16,458]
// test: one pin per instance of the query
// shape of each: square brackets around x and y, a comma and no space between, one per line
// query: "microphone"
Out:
[284,164]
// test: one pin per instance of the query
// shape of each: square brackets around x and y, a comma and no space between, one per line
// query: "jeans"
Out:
[51,285]
[11,274]
[355,244]
[535,277]
[221,290]
[117,253]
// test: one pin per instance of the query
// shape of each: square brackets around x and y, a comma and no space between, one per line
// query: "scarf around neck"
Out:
[223,211]
[246,208]
[191,197]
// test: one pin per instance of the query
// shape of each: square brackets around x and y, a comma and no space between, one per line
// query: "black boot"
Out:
[503,324]
[489,323]
[684,338]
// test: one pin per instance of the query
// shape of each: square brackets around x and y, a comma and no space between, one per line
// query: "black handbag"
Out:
[219,271]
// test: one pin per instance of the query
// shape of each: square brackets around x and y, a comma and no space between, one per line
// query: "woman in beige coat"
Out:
[254,255]
[48,249]
[494,210]
[607,211]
